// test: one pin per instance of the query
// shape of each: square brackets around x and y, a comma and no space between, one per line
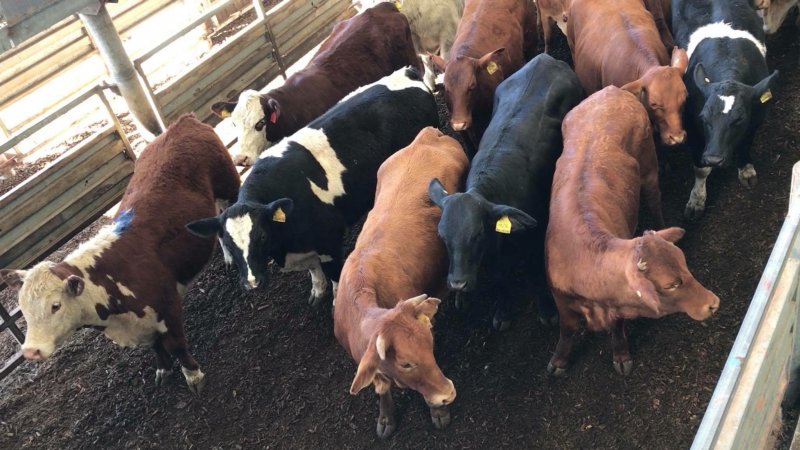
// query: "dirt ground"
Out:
[278,379]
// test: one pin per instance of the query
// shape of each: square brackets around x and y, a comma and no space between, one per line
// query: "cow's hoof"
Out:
[556,371]
[386,427]
[624,368]
[195,380]
[549,322]
[748,176]
[440,417]
[693,212]
[162,376]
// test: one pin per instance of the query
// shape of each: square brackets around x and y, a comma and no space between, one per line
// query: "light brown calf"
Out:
[381,318]
[596,268]
[617,43]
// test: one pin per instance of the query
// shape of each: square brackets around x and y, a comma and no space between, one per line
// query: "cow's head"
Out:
[467,224]
[250,232]
[254,115]
[663,92]
[661,283]
[466,79]
[730,115]
[774,13]
[402,350]
[50,296]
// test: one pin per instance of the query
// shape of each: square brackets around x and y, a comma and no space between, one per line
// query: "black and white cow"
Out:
[729,87]
[499,222]
[303,191]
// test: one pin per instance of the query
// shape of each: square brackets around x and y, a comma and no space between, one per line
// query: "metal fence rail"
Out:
[745,406]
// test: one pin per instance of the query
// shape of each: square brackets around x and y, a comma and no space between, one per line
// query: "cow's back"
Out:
[398,247]
[176,180]
[487,26]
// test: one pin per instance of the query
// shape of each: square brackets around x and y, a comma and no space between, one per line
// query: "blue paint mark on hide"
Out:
[123,221]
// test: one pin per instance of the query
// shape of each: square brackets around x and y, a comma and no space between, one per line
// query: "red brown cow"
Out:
[549,12]
[491,43]
[596,268]
[617,43]
[381,318]
[130,278]
[358,51]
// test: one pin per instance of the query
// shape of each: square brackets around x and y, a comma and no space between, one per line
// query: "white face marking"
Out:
[239,229]
[721,30]
[728,103]
[317,144]
[396,81]
[247,113]
[128,329]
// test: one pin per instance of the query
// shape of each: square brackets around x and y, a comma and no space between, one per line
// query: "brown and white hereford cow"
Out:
[130,278]
[617,43]
[596,268]
[382,317]
[492,41]
[359,51]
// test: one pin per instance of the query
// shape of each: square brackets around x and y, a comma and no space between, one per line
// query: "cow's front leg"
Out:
[697,199]
[333,270]
[386,423]
[319,285]
[623,363]
[163,362]
[568,322]
[174,341]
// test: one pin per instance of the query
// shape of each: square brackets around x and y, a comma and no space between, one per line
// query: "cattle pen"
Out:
[277,377]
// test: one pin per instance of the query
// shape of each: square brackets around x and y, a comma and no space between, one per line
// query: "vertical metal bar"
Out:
[276,52]
[150,92]
[104,35]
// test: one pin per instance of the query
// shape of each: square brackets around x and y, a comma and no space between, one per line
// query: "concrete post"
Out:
[105,37]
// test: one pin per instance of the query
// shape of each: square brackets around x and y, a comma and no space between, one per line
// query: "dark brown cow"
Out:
[381,318]
[617,43]
[358,51]
[130,278]
[492,41]
[596,268]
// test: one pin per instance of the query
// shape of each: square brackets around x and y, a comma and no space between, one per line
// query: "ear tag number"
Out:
[279,216]
[491,67]
[503,225]
[766,96]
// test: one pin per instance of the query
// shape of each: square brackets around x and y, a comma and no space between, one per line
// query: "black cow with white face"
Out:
[302,192]
[499,222]
[729,87]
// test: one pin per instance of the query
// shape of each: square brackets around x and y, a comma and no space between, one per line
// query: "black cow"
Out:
[729,87]
[302,192]
[499,222]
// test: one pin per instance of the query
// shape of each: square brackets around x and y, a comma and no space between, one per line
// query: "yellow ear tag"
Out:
[766,96]
[224,113]
[503,225]
[279,216]
[398,4]
[491,67]
[425,320]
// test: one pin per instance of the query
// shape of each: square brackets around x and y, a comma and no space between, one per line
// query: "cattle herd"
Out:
[544,200]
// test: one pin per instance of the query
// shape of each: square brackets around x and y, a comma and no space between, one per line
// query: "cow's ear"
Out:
[206,228]
[13,278]
[680,59]
[274,110]
[437,193]
[643,289]
[426,309]
[636,88]
[763,88]
[700,77]
[671,234]
[74,285]
[223,109]
[438,61]
[491,61]
[367,367]
[510,220]
[279,210]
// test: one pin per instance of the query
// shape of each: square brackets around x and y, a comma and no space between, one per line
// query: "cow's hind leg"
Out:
[174,341]
[623,363]
[697,199]
[319,285]
[163,362]
[386,423]
[568,322]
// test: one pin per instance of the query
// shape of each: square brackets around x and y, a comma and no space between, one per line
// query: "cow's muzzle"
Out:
[33,354]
